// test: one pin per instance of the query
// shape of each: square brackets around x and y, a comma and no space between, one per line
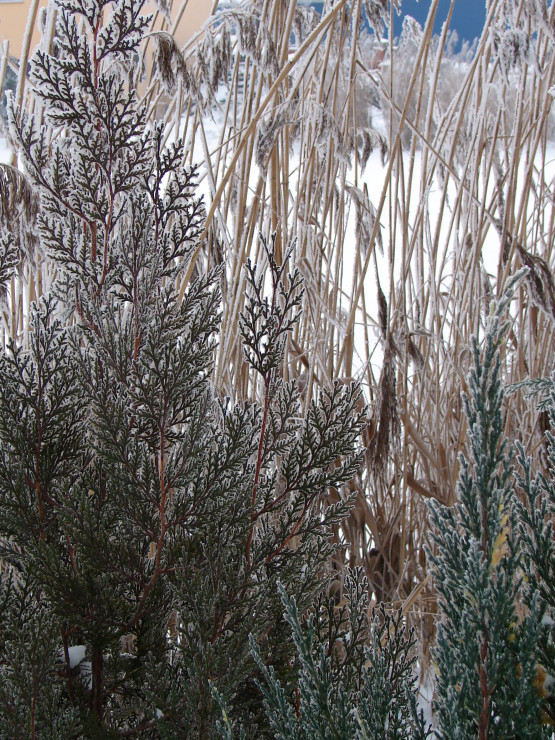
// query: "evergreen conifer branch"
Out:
[355,674]
[485,654]
[536,509]
[148,519]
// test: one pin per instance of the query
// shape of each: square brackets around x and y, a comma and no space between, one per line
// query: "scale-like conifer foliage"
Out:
[145,522]
[486,650]
[356,676]
[536,512]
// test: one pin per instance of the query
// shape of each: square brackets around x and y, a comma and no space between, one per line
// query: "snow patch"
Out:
[76,653]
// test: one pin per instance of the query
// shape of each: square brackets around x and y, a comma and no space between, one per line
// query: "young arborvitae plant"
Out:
[355,675]
[144,522]
[486,651]
[536,515]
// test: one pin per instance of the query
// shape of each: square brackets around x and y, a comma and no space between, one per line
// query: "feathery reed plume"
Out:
[17,197]
[388,424]
[540,281]
[19,208]
[170,65]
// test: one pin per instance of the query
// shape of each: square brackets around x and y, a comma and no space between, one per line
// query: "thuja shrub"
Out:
[144,521]
[487,647]
[536,510]
[356,675]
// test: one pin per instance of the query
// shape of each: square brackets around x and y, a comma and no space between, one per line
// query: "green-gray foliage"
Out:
[536,513]
[355,676]
[485,653]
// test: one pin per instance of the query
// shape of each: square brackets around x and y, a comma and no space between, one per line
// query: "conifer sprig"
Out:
[355,675]
[485,654]
[536,510]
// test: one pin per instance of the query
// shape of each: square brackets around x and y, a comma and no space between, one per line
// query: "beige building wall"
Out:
[14,15]
[13,21]
[191,13]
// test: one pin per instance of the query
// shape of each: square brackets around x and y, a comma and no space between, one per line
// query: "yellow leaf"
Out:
[500,548]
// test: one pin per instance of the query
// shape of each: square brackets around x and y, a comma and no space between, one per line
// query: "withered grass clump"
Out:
[466,200]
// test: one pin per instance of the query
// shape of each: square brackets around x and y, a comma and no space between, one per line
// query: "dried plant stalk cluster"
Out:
[466,200]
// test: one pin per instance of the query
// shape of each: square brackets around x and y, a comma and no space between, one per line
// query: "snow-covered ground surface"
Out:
[5,151]
[372,179]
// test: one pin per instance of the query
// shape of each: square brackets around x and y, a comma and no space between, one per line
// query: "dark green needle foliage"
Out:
[144,521]
[486,651]
[41,427]
[32,704]
[388,699]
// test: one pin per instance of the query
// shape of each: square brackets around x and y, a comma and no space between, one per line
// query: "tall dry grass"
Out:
[395,288]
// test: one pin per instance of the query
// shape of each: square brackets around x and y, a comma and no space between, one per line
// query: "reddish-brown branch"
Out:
[97,670]
[258,468]
[92,224]
[484,692]
[219,622]
[34,710]
[94,237]
[71,551]
[275,501]
[84,319]
[96,62]
[138,332]
[41,508]
[158,570]
[137,343]
[163,493]
[68,663]
[107,227]
[290,536]
[37,460]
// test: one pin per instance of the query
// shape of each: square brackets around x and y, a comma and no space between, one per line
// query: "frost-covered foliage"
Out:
[210,62]
[516,23]
[10,83]
[516,52]
[486,651]
[354,674]
[443,73]
[144,521]
[536,514]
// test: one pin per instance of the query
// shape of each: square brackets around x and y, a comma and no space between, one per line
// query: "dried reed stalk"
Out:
[466,200]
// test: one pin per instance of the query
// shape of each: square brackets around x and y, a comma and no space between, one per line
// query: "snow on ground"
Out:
[5,151]
[373,179]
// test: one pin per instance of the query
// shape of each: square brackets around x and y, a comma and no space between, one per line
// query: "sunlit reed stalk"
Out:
[464,174]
